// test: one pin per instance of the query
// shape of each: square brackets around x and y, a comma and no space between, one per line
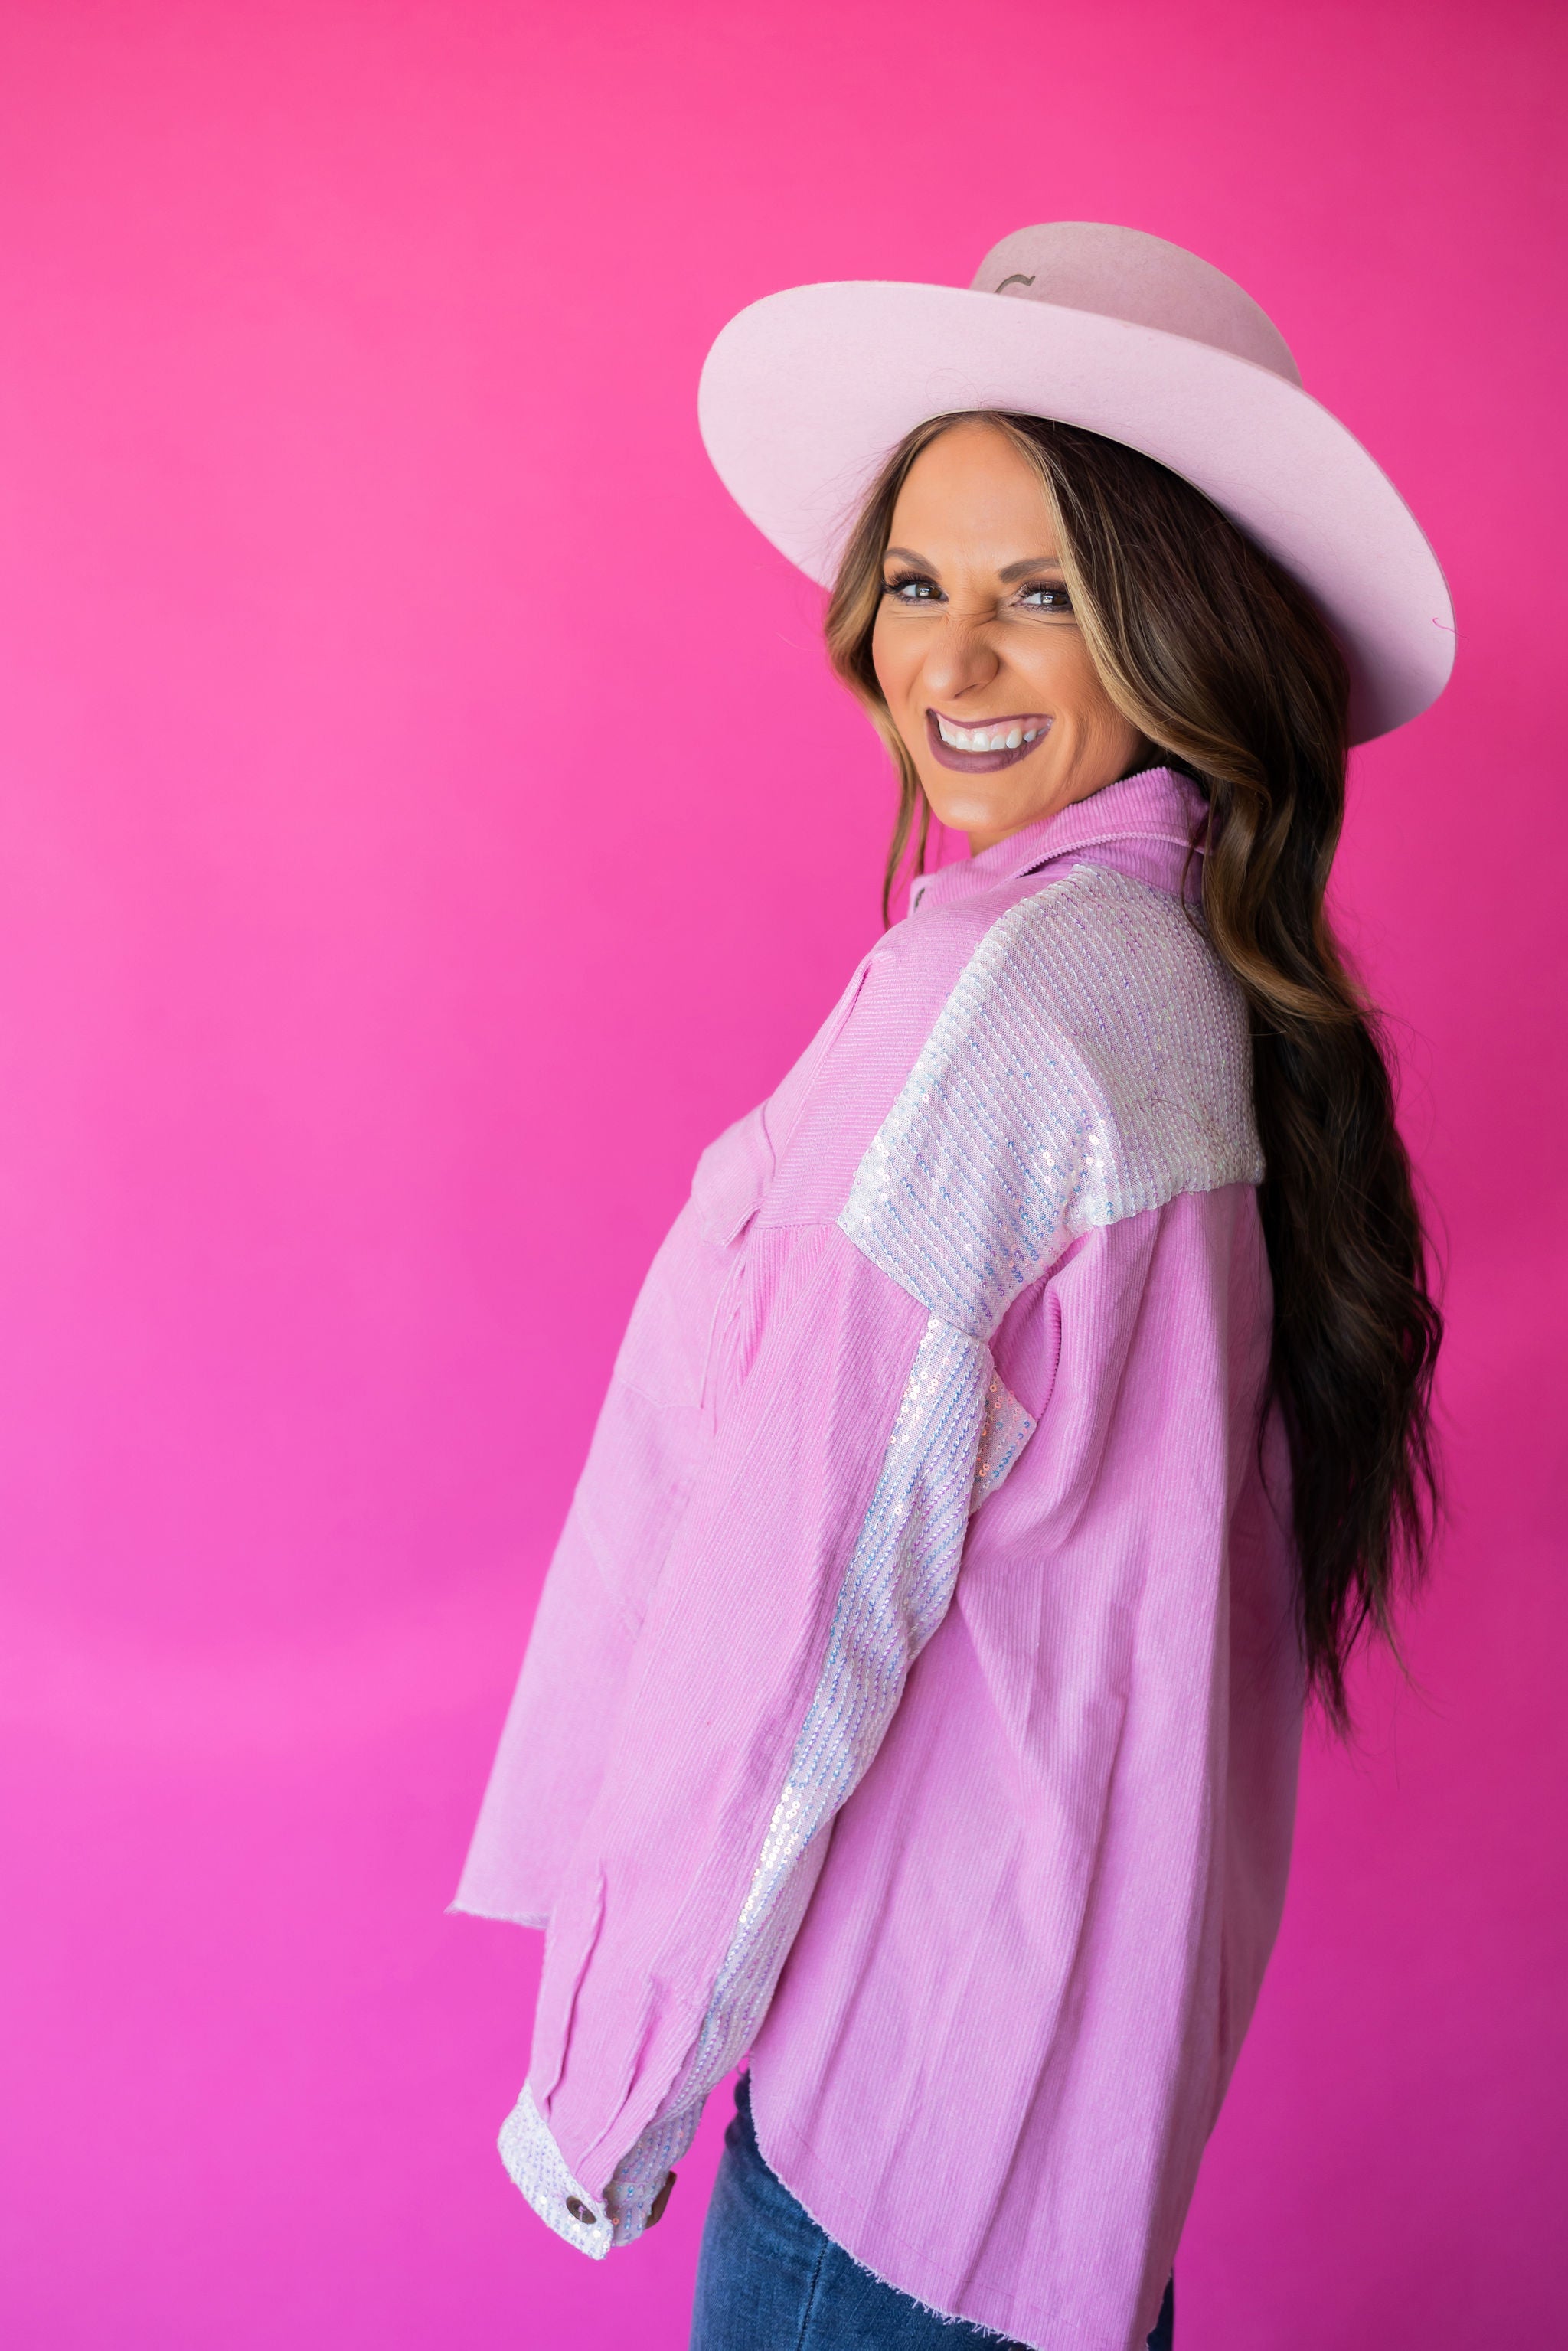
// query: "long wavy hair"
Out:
[1225,666]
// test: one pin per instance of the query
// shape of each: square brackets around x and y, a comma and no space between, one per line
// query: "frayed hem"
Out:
[457,1908]
[931,2310]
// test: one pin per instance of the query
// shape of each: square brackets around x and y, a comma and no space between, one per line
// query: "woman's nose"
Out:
[960,658]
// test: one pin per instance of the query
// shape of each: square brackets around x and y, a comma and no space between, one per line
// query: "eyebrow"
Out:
[1013,571]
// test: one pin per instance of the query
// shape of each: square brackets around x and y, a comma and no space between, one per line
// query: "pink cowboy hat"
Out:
[805,393]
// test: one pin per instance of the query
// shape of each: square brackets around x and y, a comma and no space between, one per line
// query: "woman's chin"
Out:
[986,817]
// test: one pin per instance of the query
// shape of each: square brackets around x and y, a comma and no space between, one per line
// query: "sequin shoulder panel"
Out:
[1091,1061]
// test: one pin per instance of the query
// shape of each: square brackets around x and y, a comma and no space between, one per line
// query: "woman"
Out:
[1029,1410]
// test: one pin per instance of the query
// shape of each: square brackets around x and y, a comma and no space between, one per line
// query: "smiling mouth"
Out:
[979,750]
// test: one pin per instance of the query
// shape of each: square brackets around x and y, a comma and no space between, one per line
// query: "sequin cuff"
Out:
[637,2195]
[537,2167]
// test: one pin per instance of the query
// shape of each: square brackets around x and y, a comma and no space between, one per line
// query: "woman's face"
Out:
[984,669]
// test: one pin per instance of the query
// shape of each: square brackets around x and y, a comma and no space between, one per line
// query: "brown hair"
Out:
[1223,662]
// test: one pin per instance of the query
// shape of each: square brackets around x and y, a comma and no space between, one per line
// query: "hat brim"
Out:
[805,393]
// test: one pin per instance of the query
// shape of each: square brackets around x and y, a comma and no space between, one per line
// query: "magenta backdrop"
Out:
[426,820]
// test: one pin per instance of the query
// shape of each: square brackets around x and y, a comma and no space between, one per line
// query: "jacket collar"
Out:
[1154,805]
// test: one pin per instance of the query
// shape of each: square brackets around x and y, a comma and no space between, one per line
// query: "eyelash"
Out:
[1060,601]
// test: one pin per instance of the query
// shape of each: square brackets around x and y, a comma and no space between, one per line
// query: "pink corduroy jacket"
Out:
[914,1700]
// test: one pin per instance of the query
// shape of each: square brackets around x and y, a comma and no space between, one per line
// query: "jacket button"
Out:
[580,2211]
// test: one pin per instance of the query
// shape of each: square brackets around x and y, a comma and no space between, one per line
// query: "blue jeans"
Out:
[770,2279]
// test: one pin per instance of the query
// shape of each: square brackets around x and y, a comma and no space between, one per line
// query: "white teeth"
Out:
[985,738]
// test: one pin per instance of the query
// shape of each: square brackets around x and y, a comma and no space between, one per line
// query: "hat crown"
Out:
[1123,273]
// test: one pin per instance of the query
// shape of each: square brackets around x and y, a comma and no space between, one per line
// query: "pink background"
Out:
[426,820]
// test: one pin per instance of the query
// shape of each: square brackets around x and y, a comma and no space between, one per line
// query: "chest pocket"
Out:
[670,1340]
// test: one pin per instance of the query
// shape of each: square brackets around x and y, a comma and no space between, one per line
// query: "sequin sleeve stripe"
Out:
[1005,1431]
[894,1593]
[1091,1061]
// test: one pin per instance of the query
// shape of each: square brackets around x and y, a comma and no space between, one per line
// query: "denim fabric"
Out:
[770,2279]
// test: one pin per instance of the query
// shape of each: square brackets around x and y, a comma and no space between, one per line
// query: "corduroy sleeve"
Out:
[815,1558]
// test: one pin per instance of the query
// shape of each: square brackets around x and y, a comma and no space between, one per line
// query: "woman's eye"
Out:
[1045,596]
[911,587]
